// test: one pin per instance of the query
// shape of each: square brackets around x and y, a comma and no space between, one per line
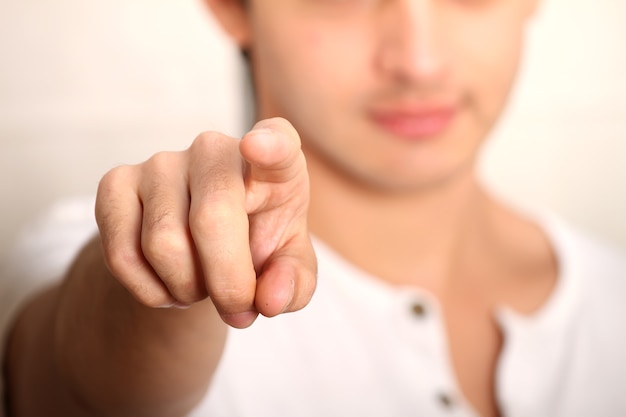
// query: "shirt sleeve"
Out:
[43,251]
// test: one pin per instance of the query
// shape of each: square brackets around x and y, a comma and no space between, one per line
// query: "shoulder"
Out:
[582,254]
[594,273]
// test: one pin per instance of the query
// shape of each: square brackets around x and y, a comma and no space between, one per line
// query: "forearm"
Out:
[88,348]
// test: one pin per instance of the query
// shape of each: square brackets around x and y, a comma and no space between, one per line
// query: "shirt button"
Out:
[445,400]
[418,309]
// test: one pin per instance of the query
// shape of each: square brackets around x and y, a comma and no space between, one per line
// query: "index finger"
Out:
[272,148]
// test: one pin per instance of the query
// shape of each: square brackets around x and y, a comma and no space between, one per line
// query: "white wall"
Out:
[86,85]
[562,145]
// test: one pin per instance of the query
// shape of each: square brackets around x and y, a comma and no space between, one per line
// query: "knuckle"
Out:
[214,217]
[171,257]
[210,143]
[162,168]
[187,289]
[112,206]
[208,139]
[162,161]
[109,189]
[165,246]
[161,173]
[150,297]
[117,175]
[217,161]
[123,263]
[129,268]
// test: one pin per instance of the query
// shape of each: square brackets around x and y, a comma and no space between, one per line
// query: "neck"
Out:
[401,236]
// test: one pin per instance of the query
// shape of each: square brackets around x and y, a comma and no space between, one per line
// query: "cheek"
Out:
[489,68]
[310,71]
[328,60]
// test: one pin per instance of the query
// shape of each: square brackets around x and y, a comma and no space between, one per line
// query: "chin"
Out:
[412,183]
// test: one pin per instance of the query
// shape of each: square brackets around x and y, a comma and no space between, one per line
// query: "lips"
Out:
[414,121]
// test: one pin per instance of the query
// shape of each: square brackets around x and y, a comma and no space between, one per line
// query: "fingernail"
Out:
[291,294]
[240,320]
[175,304]
[262,131]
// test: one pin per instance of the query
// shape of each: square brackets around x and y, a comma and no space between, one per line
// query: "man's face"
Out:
[396,94]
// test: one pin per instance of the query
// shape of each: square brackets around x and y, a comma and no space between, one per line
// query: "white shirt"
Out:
[363,348]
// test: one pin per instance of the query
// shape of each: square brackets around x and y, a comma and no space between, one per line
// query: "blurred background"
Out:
[87,85]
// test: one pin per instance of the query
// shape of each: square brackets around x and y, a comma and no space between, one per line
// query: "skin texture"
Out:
[225,219]
[221,229]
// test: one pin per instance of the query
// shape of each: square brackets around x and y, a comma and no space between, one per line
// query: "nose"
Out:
[408,48]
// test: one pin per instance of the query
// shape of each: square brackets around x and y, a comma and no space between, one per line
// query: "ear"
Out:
[232,15]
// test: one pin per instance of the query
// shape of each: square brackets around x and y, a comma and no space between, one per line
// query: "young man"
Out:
[432,298]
